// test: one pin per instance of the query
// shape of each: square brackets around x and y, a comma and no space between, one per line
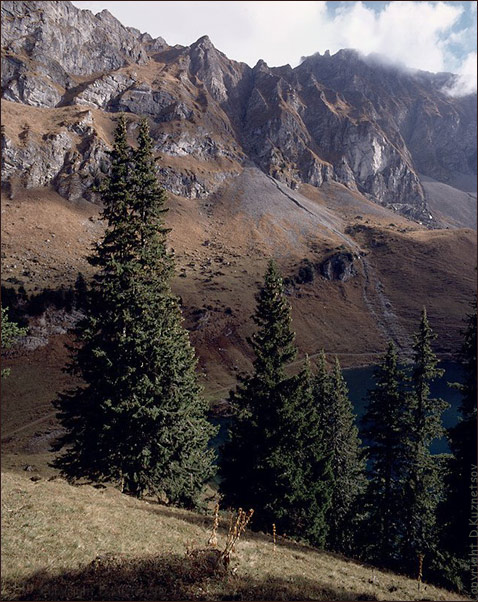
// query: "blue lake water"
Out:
[360,380]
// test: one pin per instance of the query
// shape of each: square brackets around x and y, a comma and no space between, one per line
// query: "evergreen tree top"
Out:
[389,370]
[425,361]
[386,401]
[273,343]
[338,378]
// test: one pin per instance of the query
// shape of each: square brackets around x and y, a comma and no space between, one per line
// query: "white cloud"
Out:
[409,32]
[466,80]
[420,34]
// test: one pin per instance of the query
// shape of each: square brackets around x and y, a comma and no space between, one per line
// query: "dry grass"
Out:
[237,526]
[80,543]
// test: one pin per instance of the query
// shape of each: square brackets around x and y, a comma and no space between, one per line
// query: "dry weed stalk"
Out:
[236,528]
[420,570]
[211,560]
[274,535]
[213,539]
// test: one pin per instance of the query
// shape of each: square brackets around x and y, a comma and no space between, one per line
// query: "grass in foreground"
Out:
[81,543]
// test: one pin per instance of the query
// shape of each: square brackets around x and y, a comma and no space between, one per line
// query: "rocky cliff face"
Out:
[369,126]
[68,41]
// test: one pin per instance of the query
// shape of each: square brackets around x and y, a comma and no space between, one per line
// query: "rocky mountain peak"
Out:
[58,34]
[344,117]
[107,17]
[204,55]
[261,65]
[203,42]
[347,54]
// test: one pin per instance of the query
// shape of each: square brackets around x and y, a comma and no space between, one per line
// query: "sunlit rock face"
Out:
[369,126]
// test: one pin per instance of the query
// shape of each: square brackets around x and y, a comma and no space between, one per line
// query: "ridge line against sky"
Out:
[432,36]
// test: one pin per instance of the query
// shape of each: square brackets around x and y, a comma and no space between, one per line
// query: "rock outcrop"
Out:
[369,126]
[66,40]
[339,266]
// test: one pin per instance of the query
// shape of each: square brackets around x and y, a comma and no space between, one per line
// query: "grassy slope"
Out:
[61,542]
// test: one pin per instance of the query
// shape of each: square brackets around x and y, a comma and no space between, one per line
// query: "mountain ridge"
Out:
[333,117]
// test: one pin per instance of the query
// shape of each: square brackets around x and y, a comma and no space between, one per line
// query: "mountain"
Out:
[345,118]
[357,175]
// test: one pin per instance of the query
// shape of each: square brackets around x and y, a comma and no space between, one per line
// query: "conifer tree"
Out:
[456,510]
[139,419]
[383,430]
[257,395]
[302,463]
[348,466]
[273,342]
[424,474]
[322,393]
[274,460]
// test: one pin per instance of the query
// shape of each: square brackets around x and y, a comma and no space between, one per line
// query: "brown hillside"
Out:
[223,242]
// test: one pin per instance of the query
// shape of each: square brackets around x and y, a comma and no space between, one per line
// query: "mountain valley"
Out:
[356,175]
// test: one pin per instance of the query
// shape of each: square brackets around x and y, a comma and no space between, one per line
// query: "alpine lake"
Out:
[361,380]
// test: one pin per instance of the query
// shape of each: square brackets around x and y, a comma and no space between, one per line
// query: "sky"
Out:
[433,36]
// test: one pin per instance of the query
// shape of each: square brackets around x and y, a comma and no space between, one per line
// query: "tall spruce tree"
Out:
[423,489]
[348,466]
[455,513]
[383,427]
[257,397]
[274,460]
[303,463]
[140,417]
